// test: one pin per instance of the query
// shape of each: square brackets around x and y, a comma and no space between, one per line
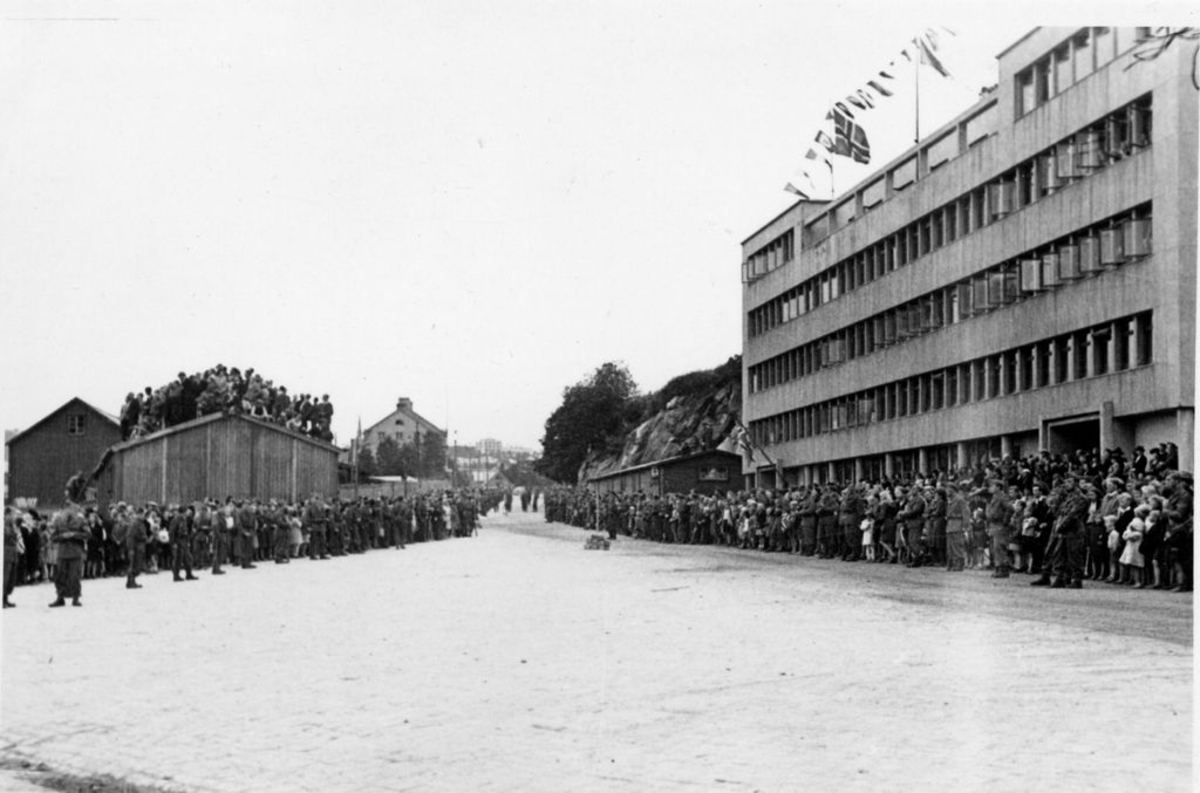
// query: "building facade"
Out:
[401,425]
[1023,279]
[43,457]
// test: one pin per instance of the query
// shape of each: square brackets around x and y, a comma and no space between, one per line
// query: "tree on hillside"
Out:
[593,413]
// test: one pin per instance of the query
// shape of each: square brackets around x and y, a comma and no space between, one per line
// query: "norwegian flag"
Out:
[849,138]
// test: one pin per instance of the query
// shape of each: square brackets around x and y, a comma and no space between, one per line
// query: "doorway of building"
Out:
[1068,436]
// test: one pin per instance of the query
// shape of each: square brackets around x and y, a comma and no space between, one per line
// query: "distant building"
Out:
[519,453]
[476,465]
[43,457]
[401,425]
[1021,280]
[490,447]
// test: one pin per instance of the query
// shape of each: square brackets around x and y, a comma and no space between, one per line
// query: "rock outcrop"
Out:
[694,420]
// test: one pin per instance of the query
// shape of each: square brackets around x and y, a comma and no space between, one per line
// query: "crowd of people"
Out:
[129,540]
[1061,518]
[220,390]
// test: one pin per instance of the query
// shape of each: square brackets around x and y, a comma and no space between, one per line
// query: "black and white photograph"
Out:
[598,395]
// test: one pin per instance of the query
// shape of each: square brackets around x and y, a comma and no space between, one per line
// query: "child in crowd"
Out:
[1114,548]
[1131,559]
[868,538]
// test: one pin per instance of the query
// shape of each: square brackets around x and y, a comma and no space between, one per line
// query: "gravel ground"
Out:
[516,660]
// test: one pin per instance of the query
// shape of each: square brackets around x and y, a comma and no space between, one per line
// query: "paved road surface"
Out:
[518,661]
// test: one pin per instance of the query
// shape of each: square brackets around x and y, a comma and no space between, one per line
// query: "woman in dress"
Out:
[1131,558]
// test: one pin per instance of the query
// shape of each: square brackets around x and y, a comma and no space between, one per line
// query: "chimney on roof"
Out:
[404,403]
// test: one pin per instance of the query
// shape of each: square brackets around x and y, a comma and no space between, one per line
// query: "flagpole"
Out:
[357,451]
[917,95]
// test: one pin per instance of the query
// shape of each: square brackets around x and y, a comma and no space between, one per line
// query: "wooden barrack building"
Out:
[709,472]
[218,456]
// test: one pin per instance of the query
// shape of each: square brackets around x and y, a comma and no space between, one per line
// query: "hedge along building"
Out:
[1023,279]
[218,456]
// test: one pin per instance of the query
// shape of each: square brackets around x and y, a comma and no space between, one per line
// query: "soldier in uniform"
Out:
[998,514]
[70,533]
[1064,554]
[935,522]
[135,546]
[224,524]
[202,532]
[276,519]
[247,527]
[827,509]
[851,511]
[316,521]
[180,526]
[912,515]
[12,553]
[958,524]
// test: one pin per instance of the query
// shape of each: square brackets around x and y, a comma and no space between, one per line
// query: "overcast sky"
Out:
[471,204]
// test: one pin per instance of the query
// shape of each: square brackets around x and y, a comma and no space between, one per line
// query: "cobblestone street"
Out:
[518,661]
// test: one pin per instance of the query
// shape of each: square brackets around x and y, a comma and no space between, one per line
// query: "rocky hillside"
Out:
[691,413]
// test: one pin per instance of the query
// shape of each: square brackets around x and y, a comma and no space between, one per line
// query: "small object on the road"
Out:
[597,542]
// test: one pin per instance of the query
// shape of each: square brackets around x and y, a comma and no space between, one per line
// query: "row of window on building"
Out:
[905,462]
[776,253]
[1086,152]
[1085,52]
[1119,240]
[1090,352]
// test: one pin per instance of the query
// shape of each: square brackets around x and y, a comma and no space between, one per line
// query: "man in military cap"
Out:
[70,533]
[223,532]
[316,522]
[135,546]
[1064,554]
[912,515]
[998,513]
[180,527]
[247,527]
[957,525]
[276,517]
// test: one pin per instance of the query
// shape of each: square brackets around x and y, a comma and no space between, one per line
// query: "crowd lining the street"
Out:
[220,390]
[78,543]
[1063,518]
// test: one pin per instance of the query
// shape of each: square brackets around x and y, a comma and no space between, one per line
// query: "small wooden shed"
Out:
[217,456]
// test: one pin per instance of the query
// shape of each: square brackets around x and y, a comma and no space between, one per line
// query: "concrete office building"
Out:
[1023,279]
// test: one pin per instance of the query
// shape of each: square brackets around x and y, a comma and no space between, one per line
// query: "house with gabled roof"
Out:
[42,457]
